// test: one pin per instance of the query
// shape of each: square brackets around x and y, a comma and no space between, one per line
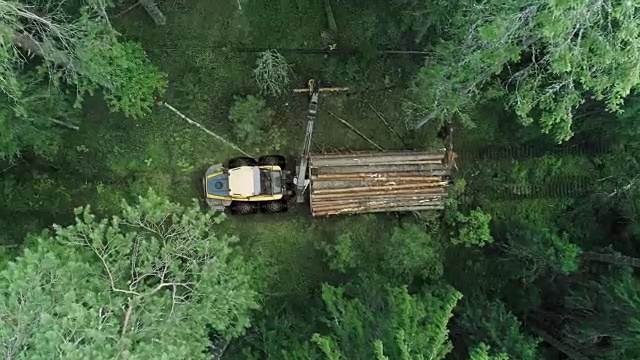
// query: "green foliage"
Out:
[136,83]
[249,115]
[482,352]
[546,58]
[406,253]
[128,80]
[539,251]
[385,321]
[110,158]
[472,229]
[341,255]
[271,73]
[490,322]
[75,53]
[605,317]
[253,124]
[147,283]
[414,252]
[28,123]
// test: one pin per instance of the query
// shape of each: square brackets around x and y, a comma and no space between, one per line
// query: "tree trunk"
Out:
[153,10]
[565,349]
[612,259]
[33,47]
[333,27]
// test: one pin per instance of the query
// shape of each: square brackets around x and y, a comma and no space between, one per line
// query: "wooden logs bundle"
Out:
[377,182]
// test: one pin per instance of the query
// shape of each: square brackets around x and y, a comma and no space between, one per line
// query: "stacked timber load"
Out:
[368,182]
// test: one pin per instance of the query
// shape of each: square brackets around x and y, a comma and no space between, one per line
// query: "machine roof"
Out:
[244,181]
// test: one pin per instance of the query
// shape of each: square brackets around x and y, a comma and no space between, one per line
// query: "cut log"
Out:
[350,185]
[347,190]
[381,198]
[395,159]
[398,209]
[426,169]
[361,194]
[384,202]
[378,205]
[439,154]
[386,175]
[374,207]
[375,179]
[364,162]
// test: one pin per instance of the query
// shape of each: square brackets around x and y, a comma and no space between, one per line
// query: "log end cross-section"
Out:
[377,182]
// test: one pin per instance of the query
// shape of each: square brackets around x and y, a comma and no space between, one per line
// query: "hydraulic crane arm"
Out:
[301,179]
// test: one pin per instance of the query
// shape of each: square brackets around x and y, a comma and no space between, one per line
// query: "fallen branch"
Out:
[127,9]
[611,259]
[127,318]
[563,348]
[356,130]
[67,125]
[387,124]
[424,120]
[5,169]
[406,52]
[203,128]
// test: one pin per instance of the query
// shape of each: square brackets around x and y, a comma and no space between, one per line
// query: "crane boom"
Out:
[301,179]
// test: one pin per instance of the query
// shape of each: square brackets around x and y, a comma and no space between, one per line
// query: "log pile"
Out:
[368,182]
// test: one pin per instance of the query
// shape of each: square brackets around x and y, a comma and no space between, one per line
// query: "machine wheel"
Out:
[273,160]
[241,161]
[243,208]
[274,207]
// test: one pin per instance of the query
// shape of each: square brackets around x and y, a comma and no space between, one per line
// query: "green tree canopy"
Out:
[369,320]
[471,229]
[490,322]
[153,282]
[545,57]
[605,317]
[55,53]
[483,352]
[539,251]
[389,323]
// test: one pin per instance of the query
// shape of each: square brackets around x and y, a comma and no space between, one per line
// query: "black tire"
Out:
[273,160]
[272,207]
[243,208]
[241,161]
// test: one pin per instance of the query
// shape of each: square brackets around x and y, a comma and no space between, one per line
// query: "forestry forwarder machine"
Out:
[246,185]
[340,183]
